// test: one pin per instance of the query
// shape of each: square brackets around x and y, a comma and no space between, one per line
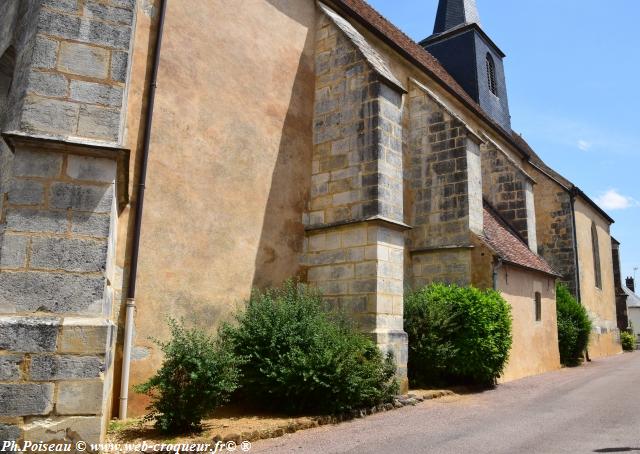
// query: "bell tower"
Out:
[470,56]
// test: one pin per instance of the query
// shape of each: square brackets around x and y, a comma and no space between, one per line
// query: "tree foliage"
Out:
[574,327]
[299,358]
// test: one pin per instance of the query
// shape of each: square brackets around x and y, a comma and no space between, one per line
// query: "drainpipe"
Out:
[131,291]
[496,268]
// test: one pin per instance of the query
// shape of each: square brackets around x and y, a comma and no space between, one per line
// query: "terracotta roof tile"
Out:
[509,247]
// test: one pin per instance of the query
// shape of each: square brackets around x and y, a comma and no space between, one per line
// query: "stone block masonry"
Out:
[510,191]
[72,66]
[55,334]
[445,182]
[54,247]
[58,215]
[554,224]
[354,249]
[359,270]
[357,160]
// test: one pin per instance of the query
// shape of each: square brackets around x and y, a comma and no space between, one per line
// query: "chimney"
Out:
[631,285]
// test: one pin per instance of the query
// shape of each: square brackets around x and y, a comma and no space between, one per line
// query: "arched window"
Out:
[597,272]
[538,300]
[491,75]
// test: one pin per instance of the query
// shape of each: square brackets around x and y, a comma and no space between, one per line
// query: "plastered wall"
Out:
[241,127]
[599,302]
[535,343]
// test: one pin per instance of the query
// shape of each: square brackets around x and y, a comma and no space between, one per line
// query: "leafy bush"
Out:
[628,341]
[297,357]
[574,327]
[456,335]
[197,375]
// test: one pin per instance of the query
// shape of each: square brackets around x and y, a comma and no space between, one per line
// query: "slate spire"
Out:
[453,13]
[470,56]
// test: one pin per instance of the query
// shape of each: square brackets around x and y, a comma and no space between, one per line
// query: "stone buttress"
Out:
[63,179]
[355,231]
[445,180]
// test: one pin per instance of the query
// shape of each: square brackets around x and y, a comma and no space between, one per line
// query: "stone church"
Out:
[164,157]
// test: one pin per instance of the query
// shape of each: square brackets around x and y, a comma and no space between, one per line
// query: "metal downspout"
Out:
[131,291]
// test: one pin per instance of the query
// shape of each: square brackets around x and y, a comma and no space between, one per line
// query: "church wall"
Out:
[357,159]
[554,226]
[63,182]
[535,343]
[407,72]
[355,236]
[444,182]
[482,265]
[451,266]
[229,164]
[510,191]
[599,302]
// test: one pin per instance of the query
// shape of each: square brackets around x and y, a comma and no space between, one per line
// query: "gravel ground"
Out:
[593,408]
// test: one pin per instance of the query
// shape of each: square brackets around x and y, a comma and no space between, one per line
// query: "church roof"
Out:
[509,246]
[562,181]
[378,25]
[454,13]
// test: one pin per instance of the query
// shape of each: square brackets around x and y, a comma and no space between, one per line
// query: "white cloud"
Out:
[613,200]
[584,145]
[576,135]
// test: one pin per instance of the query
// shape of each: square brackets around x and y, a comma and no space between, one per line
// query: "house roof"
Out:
[379,26]
[509,246]
[633,300]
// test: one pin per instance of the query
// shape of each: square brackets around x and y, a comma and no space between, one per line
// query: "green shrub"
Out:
[574,327]
[628,341]
[197,375]
[456,335]
[299,358]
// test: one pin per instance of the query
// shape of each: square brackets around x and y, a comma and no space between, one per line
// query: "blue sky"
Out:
[573,76]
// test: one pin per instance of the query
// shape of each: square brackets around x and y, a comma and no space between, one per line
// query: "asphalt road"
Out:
[593,408]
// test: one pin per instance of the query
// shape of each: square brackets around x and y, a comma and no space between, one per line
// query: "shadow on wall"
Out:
[282,234]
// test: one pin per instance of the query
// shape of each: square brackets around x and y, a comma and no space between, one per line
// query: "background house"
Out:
[633,306]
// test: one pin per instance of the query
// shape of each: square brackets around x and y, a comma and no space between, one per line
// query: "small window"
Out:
[595,245]
[538,299]
[491,75]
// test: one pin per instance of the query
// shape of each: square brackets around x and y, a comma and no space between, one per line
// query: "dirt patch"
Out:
[238,424]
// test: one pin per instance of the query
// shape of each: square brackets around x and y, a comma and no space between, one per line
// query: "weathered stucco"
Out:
[535,343]
[599,302]
[240,129]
